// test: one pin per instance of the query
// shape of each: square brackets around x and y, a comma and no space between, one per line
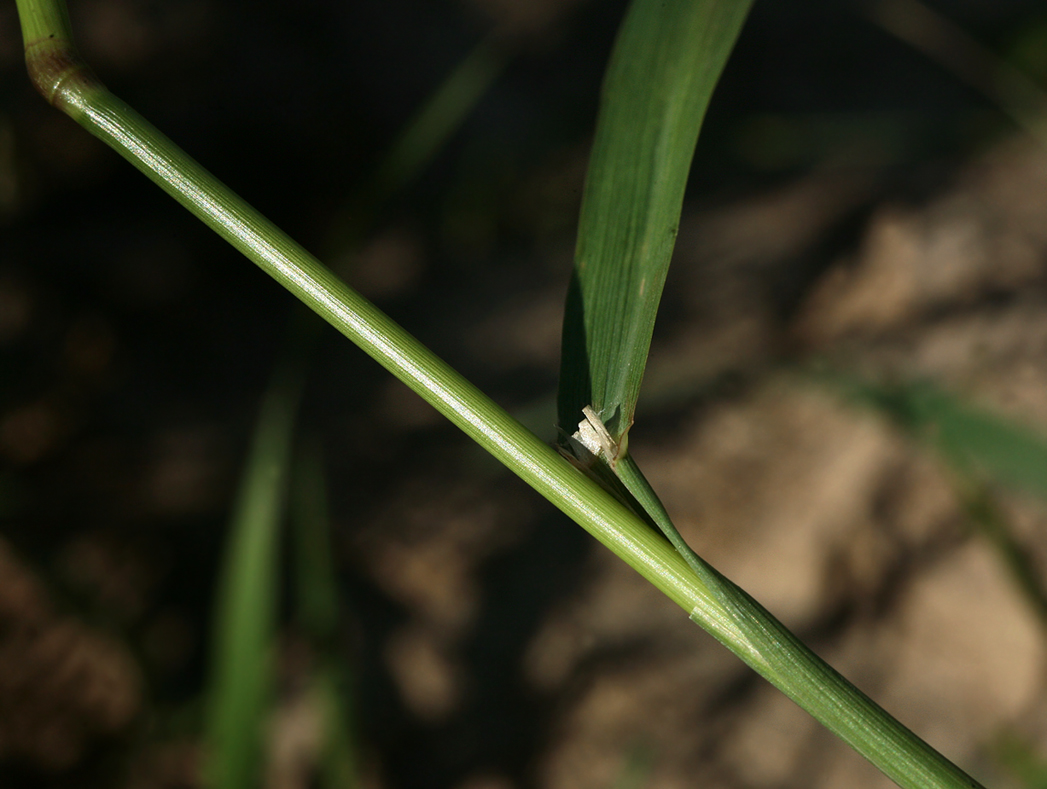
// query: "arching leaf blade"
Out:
[665,65]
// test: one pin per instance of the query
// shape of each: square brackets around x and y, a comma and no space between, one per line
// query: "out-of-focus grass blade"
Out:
[241,680]
[638,767]
[1021,760]
[973,440]
[317,612]
[664,67]
[973,63]
[441,115]
[317,604]
[982,448]
[987,518]
[421,139]
[244,622]
[340,762]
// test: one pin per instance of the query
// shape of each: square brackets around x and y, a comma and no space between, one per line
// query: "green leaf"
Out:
[245,622]
[340,764]
[665,64]
[1021,760]
[317,588]
[973,440]
[441,115]
[317,614]
[664,67]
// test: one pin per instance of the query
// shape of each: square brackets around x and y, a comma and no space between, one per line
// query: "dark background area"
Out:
[134,345]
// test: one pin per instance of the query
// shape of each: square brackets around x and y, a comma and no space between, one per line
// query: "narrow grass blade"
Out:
[441,115]
[971,439]
[318,615]
[637,769]
[984,450]
[428,130]
[340,766]
[244,628]
[665,64]
[317,590]
[987,517]
[950,46]
[664,67]
[1021,760]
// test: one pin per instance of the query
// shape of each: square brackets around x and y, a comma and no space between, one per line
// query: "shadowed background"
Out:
[853,202]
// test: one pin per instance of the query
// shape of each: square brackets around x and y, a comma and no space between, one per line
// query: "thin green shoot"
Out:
[1021,760]
[638,767]
[239,692]
[427,131]
[317,612]
[985,515]
[441,115]
[970,439]
[949,45]
[982,451]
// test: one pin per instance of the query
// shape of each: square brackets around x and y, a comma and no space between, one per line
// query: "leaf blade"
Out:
[245,614]
[971,439]
[665,64]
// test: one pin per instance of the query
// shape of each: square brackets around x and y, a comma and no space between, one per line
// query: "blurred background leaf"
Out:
[242,682]
[971,439]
